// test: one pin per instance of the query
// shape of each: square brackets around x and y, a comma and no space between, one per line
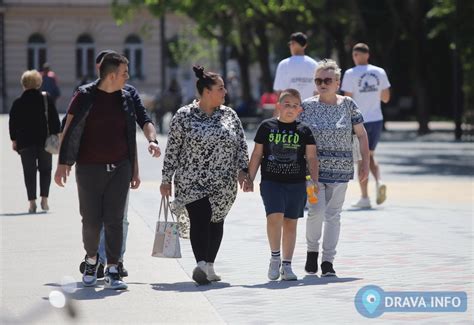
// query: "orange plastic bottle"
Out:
[311,191]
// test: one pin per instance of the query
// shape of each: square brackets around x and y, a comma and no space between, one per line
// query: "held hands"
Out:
[165,190]
[61,175]
[244,181]
[248,185]
[154,150]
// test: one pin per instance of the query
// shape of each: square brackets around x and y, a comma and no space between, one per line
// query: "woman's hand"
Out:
[165,190]
[242,177]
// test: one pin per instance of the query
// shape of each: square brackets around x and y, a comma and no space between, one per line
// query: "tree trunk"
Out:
[243,51]
[418,71]
[263,55]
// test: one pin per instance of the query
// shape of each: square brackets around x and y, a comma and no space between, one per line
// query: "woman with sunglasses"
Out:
[332,119]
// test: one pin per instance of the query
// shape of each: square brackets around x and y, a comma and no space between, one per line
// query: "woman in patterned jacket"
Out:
[332,118]
[207,154]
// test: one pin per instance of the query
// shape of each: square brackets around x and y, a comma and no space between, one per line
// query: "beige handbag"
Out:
[166,243]
[51,144]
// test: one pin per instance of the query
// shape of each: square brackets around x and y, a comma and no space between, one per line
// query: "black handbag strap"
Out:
[45,103]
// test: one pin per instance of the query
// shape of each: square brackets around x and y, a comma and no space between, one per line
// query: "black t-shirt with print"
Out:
[284,146]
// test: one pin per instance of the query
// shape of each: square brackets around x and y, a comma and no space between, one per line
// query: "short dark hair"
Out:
[101,55]
[299,38]
[110,64]
[205,79]
[361,47]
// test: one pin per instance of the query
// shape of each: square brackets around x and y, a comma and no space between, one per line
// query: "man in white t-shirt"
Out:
[297,71]
[368,85]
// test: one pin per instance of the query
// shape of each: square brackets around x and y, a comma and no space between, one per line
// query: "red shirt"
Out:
[104,140]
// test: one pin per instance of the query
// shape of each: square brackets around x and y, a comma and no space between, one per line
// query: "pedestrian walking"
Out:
[28,131]
[297,71]
[50,82]
[146,124]
[283,148]
[368,85]
[106,163]
[333,119]
[207,155]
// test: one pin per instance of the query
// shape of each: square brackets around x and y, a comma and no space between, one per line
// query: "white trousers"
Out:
[331,197]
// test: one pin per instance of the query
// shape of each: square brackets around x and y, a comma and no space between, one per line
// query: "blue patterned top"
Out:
[332,129]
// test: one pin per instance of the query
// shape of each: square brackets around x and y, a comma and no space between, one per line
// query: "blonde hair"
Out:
[328,64]
[31,79]
[289,92]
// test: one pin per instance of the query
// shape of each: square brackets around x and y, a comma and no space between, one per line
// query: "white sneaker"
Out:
[200,273]
[363,203]
[211,274]
[274,269]
[287,273]
[381,193]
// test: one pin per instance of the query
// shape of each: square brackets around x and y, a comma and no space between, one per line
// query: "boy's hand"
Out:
[248,185]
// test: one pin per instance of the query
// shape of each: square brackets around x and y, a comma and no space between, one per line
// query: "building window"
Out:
[85,57]
[134,53]
[36,52]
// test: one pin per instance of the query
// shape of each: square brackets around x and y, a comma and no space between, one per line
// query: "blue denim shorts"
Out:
[374,131]
[286,198]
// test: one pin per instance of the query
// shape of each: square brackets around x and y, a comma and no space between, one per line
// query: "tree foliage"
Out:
[407,37]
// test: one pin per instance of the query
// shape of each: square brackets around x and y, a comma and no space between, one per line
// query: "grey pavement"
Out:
[421,239]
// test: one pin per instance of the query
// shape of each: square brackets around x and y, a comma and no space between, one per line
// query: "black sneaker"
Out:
[327,269]
[100,269]
[89,276]
[112,279]
[122,270]
[311,262]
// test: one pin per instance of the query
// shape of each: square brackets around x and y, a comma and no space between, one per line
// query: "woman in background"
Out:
[28,132]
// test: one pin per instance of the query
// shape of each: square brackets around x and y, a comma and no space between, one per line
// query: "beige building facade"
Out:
[68,34]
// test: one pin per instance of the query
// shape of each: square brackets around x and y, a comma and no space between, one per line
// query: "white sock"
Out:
[210,268]
[112,268]
[91,260]
[202,265]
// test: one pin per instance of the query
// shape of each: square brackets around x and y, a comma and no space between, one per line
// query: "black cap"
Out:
[300,38]
[101,55]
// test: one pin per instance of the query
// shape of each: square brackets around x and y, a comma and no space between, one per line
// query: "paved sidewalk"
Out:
[421,239]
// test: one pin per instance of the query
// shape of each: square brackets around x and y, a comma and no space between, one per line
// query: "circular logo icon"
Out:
[369,301]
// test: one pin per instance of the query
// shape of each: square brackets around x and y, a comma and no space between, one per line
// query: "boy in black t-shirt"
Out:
[283,148]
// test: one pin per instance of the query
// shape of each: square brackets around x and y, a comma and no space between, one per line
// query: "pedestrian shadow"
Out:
[189,286]
[306,281]
[89,293]
[17,214]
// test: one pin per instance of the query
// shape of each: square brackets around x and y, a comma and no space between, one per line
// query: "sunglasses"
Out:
[319,81]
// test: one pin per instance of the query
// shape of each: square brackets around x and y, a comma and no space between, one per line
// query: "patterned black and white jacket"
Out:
[204,154]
